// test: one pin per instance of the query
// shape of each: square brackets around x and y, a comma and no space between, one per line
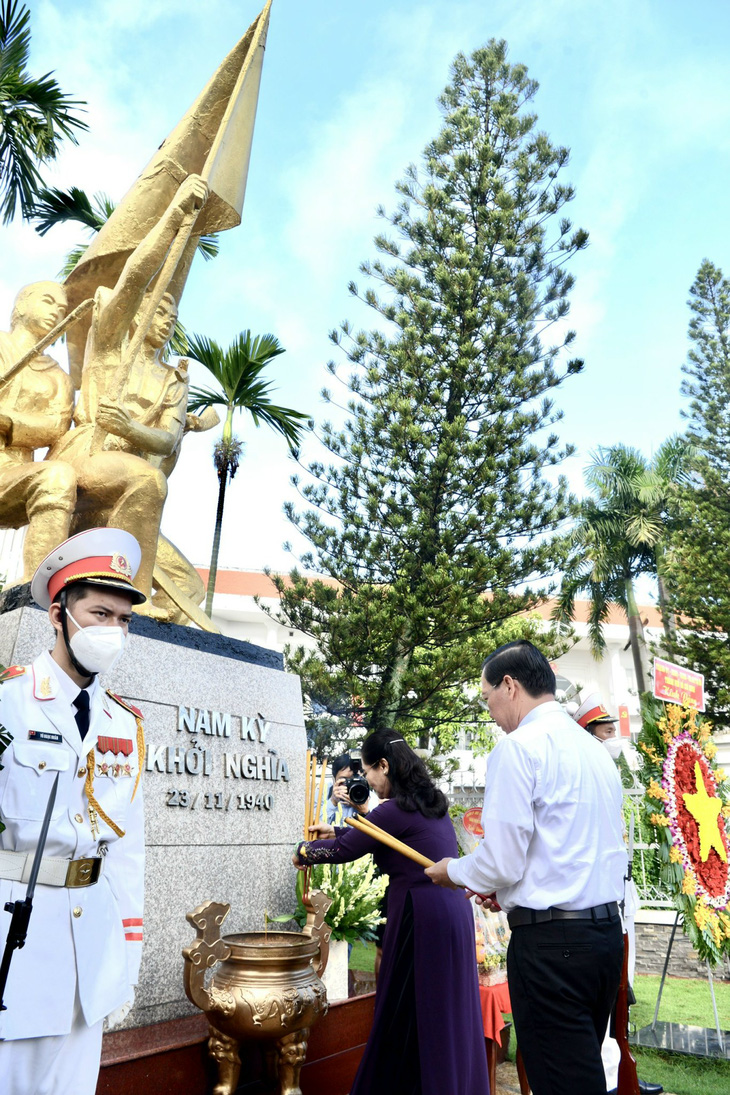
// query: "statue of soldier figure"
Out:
[112,467]
[131,415]
[36,404]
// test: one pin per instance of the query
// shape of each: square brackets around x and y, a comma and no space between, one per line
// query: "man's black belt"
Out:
[518,916]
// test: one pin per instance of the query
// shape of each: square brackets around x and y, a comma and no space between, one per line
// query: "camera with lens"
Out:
[357,786]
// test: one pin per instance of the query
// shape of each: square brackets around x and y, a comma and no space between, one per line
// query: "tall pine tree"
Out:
[433,514]
[699,555]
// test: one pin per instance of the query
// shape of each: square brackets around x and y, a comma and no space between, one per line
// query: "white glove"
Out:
[116,1017]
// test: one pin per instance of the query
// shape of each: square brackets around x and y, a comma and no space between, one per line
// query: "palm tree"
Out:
[241,388]
[34,115]
[645,492]
[620,535]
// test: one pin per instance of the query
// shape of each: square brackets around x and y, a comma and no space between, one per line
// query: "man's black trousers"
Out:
[563,980]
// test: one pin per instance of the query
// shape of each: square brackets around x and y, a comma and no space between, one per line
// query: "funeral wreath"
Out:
[687,802]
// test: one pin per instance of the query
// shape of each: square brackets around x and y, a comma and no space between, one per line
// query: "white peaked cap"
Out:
[107,557]
[592,710]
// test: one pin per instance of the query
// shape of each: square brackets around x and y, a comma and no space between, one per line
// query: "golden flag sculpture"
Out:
[214,140]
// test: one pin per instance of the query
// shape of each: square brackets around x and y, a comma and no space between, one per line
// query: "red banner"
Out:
[624,724]
[675,684]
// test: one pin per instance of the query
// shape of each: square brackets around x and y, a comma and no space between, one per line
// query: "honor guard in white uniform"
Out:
[83,949]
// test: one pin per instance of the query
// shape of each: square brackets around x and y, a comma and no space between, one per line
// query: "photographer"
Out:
[339,803]
[429,946]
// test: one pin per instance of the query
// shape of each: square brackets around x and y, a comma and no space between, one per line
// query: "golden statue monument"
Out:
[36,403]
[131,415]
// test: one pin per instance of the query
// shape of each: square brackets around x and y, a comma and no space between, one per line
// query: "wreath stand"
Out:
[679,1037]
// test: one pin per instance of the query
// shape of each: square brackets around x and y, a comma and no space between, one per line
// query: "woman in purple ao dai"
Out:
[427,1036]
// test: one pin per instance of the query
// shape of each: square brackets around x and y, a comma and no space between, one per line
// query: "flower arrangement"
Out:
[492,939]
[356,893]
[687,803]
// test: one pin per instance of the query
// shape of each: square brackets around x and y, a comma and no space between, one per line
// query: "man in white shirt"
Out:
[553,851]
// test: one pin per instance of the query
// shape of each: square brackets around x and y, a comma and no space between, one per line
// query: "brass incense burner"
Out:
[266,987]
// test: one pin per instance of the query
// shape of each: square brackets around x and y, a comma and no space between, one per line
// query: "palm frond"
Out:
[200,398]
[73,258]
[34,115]
[55,206]
[209,246]
[178,344]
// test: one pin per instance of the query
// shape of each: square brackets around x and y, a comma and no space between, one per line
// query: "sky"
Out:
[639,91]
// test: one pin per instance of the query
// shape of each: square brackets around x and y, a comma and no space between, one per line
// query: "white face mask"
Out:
[98,647]
[614,746]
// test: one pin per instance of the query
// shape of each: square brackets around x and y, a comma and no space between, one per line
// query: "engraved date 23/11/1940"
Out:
[217,800]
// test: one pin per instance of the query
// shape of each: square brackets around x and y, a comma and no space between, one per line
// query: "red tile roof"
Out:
[254,583]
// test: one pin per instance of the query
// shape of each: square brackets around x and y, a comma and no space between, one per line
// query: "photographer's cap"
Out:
[107,557]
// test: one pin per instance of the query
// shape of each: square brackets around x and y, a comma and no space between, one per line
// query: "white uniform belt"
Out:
[54,871]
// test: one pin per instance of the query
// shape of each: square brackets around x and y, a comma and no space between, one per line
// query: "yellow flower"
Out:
[659,819]
[710,750]
[720,775]
[650,752]
[675,714]
[725,923]
[675,856]
[655,790]
[701,915]
[714,926]
[689,884]
[726,810]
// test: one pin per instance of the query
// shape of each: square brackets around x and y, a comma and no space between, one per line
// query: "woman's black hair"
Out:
[412,786]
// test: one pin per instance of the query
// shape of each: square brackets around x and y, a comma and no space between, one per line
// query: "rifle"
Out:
[20,910]
[43,343]
[628,1079]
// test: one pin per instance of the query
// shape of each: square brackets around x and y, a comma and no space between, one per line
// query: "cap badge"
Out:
[120,565]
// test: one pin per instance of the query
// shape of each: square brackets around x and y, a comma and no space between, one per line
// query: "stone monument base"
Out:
[170,1058]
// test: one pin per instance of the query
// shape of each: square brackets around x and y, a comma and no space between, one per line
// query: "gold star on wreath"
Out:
[705,811]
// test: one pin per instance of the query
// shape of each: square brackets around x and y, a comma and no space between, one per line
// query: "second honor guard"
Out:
[83,949]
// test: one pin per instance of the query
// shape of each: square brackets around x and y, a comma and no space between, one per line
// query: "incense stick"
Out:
[306,794]
[318,813]
[312,788]
[371,829]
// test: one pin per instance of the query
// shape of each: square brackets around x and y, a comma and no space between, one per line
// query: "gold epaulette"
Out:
[139,719]
[11,672]
[125,704]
